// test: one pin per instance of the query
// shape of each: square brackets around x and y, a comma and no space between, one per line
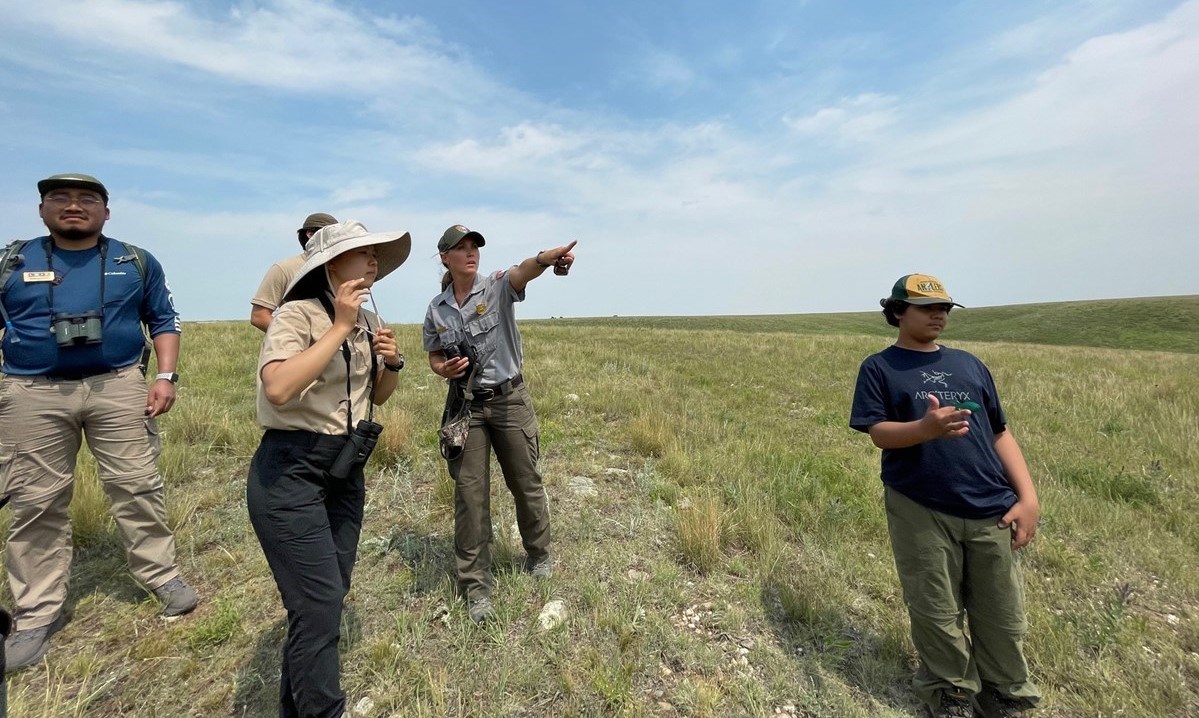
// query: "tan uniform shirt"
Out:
[270,292]
[321,406]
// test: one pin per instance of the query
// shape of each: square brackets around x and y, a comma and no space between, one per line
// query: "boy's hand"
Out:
[940,422]
[1022,518]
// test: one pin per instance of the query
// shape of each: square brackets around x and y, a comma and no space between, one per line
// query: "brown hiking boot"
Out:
[954,704]
[995,705]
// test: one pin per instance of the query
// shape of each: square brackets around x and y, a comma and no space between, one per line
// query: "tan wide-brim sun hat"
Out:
[392,249]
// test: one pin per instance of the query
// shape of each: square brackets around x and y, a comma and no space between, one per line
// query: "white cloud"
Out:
[857,118]
[303,46]
[360,191]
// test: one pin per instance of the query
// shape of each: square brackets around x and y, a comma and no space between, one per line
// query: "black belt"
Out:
[506,387]
[78,375]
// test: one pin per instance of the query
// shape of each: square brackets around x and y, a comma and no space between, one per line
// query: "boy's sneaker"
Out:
[177,598]
[539,568]
[24,648]
[954,704]
[480,609]
[994,705]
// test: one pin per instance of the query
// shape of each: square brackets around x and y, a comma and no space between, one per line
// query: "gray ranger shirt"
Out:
[486,320]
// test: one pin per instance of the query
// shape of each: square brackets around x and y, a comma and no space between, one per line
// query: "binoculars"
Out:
[77,329]
[357,450]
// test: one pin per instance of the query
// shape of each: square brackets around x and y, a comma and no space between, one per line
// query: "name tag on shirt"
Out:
[33,277]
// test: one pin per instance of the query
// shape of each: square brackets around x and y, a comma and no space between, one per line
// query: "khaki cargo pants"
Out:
[507,424]
[952,571]
[41,425]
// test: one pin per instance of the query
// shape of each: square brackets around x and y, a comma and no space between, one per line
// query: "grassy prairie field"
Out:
[732,560]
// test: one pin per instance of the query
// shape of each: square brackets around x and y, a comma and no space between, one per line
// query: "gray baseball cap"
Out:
[316,220]
[456,234]
[72,179]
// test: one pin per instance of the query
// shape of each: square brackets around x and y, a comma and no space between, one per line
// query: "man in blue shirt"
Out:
[74,305]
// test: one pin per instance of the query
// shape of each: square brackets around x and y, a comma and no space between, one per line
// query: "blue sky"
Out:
[710,158]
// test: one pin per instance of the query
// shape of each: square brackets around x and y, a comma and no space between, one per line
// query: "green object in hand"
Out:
[967,405]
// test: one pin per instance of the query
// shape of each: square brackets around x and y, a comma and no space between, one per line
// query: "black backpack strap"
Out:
[10,259]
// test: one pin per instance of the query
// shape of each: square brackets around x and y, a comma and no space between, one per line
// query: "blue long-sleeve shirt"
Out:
[30,347]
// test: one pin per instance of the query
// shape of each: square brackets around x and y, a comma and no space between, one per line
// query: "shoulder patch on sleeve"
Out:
[500,274]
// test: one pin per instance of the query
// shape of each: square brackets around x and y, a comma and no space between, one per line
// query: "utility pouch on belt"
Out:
[455,420]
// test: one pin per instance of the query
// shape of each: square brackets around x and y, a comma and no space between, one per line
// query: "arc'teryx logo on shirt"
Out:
[936,377]
[945,397]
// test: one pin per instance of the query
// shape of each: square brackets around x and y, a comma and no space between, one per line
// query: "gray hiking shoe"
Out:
[539,568]
[24,648]
[177,598]
[480,610]
[954,704]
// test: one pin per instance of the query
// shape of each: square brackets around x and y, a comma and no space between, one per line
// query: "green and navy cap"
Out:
[72,179]
[456,234]
[919,289]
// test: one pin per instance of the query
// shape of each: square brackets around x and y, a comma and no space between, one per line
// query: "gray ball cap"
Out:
[72,179]
[456,234]
[316,220]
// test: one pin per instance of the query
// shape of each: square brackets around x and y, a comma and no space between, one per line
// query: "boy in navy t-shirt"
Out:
[960,503]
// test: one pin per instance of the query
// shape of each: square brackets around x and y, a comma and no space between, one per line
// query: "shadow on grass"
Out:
[257,682]
[818,633]
[429,559]
[100,566]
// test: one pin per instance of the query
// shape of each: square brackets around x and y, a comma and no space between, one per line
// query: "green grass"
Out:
[1150,324]
[734,511]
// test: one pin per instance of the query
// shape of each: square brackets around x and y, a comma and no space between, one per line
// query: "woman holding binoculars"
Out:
[471,336]
[326,361]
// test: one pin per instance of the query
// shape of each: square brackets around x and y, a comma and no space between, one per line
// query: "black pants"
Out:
[308,525]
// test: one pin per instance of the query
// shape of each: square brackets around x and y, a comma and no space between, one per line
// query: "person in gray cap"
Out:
[85,377]
[471,336]
[270,292]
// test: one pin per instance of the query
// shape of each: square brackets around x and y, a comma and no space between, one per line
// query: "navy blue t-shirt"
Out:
[961,476]
[126,306]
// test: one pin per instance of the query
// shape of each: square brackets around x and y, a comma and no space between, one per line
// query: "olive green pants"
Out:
[42,424]
[507,424]
[952,571]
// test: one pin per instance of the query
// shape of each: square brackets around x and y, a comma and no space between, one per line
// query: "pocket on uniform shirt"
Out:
[480,331]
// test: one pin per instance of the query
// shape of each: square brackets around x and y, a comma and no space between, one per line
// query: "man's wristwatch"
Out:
[169,376]
[395,367]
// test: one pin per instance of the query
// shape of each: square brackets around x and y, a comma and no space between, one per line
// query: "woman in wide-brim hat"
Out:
[325,359]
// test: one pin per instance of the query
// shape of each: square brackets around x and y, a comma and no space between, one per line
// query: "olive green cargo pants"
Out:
[953,570]
[507,424]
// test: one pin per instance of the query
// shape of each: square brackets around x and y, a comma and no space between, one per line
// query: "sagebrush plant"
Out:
[732,515]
